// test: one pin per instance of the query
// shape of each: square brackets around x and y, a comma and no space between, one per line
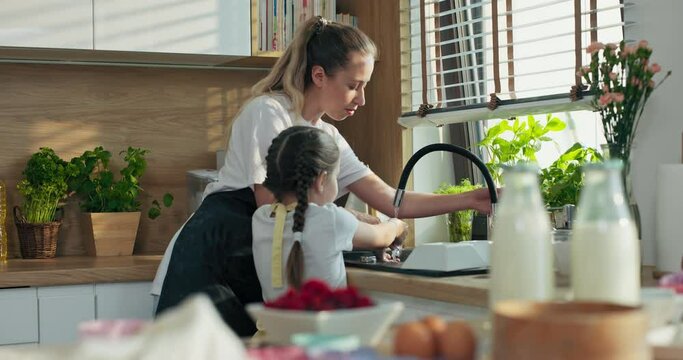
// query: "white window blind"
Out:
[498,58]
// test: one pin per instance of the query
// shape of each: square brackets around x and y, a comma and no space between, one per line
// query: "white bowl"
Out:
[368,323]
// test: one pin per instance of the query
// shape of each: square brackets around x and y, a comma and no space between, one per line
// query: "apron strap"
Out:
[280,211]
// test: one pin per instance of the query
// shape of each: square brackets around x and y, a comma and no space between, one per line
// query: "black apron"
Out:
[213,255]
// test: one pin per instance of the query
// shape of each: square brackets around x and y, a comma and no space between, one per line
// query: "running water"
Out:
[396,251]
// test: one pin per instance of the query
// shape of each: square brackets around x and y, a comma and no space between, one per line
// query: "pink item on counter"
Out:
[277,353]
[673,281]
[110,329]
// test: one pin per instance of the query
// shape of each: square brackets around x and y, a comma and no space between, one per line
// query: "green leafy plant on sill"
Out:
[459,222]
[562,180]
[44,185]
[526,138]
[100,192]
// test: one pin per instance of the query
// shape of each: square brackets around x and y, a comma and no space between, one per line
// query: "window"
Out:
[457,53]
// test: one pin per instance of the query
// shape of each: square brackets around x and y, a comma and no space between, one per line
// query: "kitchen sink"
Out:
[359,259]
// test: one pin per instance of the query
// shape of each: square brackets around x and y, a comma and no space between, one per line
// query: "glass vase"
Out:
[620,152]
[460,225]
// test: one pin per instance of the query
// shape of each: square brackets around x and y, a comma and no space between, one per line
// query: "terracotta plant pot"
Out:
[110,234]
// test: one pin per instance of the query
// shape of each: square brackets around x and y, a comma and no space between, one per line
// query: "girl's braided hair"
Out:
[295,158]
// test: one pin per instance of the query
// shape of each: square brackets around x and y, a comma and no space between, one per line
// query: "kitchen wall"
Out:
[659,134]
[181,115]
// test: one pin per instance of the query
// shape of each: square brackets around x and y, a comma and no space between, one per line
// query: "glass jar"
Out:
[605,252]
[521,253]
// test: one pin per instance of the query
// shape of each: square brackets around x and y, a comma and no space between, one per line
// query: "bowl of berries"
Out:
[317,309]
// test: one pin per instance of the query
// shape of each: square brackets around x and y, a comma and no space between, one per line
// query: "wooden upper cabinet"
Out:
[213,27]
[64,24]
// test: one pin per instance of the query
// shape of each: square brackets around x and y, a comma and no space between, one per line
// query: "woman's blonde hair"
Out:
[317,42]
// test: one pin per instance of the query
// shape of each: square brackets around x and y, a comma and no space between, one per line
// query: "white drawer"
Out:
[18,316]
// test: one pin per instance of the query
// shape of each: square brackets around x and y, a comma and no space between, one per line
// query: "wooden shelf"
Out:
[132,58]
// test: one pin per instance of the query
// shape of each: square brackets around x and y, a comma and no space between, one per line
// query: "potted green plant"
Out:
[562,180]
[459,222]
[507,144]
[43,186]
[111,207]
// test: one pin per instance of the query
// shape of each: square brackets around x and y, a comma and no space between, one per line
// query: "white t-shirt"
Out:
[328,230]
[254,129]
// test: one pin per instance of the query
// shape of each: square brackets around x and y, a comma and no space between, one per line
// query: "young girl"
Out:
[303,225]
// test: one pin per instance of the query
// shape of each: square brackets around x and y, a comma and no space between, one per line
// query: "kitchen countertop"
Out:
[72,270]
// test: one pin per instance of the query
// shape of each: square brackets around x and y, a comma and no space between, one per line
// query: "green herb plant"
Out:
[525,139]
[100,192]
[459,222]
[43,185]
[562,180]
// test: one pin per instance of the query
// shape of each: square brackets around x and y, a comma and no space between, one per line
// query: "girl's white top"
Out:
[328,230]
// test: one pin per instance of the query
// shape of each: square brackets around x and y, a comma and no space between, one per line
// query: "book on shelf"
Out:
[279,19]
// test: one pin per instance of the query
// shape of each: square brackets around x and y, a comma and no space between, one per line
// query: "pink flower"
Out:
[655,68]
[586,69]
[605,99]
[611,46]
[613,76]
[643,44]
[605,90]
[635,81]
[618,97]
[628,50]
[594,47]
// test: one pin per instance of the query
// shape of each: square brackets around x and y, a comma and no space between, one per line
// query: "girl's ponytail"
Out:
[316,42]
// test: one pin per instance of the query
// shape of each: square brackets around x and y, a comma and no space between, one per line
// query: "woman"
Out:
[324,71]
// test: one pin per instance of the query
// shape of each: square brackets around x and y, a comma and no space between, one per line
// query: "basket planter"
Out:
[110,234]
[36,241]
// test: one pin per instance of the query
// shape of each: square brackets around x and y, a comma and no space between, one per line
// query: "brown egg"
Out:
[457,342]
[434,323]
[415,339]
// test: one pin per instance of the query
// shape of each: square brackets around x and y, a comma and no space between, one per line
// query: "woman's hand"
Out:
[480,200]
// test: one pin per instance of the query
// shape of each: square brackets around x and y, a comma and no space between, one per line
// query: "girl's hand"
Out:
[364,217]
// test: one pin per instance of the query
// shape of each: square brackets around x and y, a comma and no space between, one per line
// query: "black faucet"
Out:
[400,190]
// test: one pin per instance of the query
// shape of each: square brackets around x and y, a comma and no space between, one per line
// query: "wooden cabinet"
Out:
[174,26]
[18,316]
[64,24]
[61,309]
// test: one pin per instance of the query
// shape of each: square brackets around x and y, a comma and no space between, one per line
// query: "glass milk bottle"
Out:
[521,253]
[605,252]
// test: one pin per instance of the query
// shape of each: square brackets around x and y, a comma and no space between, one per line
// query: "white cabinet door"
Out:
[46,23]
[61,309]
[18,316]
[217,27]
[124,301]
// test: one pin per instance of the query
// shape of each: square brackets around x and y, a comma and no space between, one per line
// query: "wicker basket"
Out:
[37,241]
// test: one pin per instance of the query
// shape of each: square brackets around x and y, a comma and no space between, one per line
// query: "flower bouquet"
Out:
[621,78]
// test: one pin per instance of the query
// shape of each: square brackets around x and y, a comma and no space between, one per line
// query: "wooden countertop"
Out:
[71,270]
[466,290]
